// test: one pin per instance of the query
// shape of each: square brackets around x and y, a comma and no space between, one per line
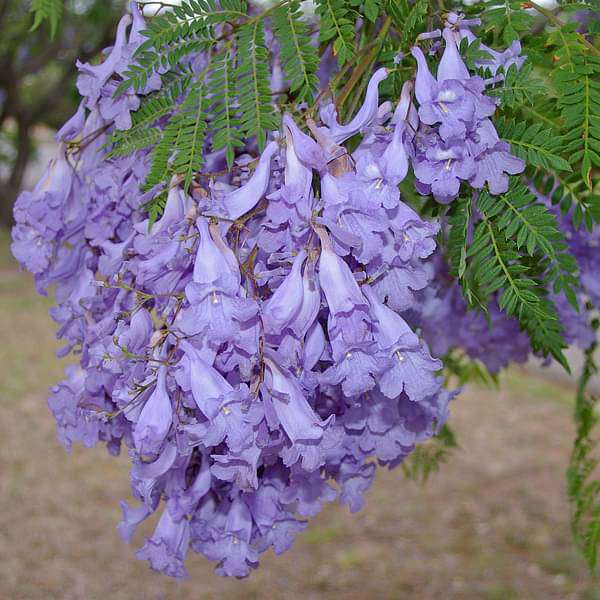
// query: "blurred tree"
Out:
[37,77]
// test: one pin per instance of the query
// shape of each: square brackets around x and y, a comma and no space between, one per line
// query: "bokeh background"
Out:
[492,524]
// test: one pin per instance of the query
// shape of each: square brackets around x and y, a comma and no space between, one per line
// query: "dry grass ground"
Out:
[491,525]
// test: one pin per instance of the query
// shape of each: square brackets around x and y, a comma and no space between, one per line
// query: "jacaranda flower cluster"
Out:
[266,343]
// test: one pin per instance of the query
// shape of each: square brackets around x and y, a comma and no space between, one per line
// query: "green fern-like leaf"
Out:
[473,55]
[371,9]
[575,77]
[521,218]
[519,87]
[298,56]
[458,244]
[336,23]
[170,39]
[571,192]
[409,18]
[47,10]
[180,151]
[583,480]
[149,61]
[191,19]
[507,18]
[225,121]
[213,11]
[533,143]
[185,30]
[191,121]
[257,115]
[499,267]
[143,133]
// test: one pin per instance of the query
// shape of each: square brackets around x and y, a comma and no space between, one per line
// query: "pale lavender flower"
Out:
[443,166]
[167,548]
[156,418]
[230,545]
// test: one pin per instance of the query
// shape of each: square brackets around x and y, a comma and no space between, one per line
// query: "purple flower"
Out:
[73,128]
[492,159]
[443,166]
[93,78]
[306,149]
[74,423]
[308,492]
[261,341]
[337,282]
[288,406]
[156,418]
[137,336]
[239,467]
[183,502]
[215,265]
[355,478]
[286,302]
[230,545]
[446,100]
[413,370]
[245,198]
[45,217]
[167,548]
[357,362]
[512,55]
[132,517]
[364,117]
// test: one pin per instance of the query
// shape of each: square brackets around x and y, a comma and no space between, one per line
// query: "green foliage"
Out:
[462,369]
[583,479]
[371,9]
[409,18]
[472,53]
[571,192]
[225,122]
[551,105]
[47,10]
[517,253]
[507,19]
[534,143]
[534,228]
[575,77]
[298,56]
[257,115]
[180,150]
[519,87]
[550,115]
[428,457]
[460,233]
[173,35]
[459,221]
[543,110]
[143,132]
[337,24]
